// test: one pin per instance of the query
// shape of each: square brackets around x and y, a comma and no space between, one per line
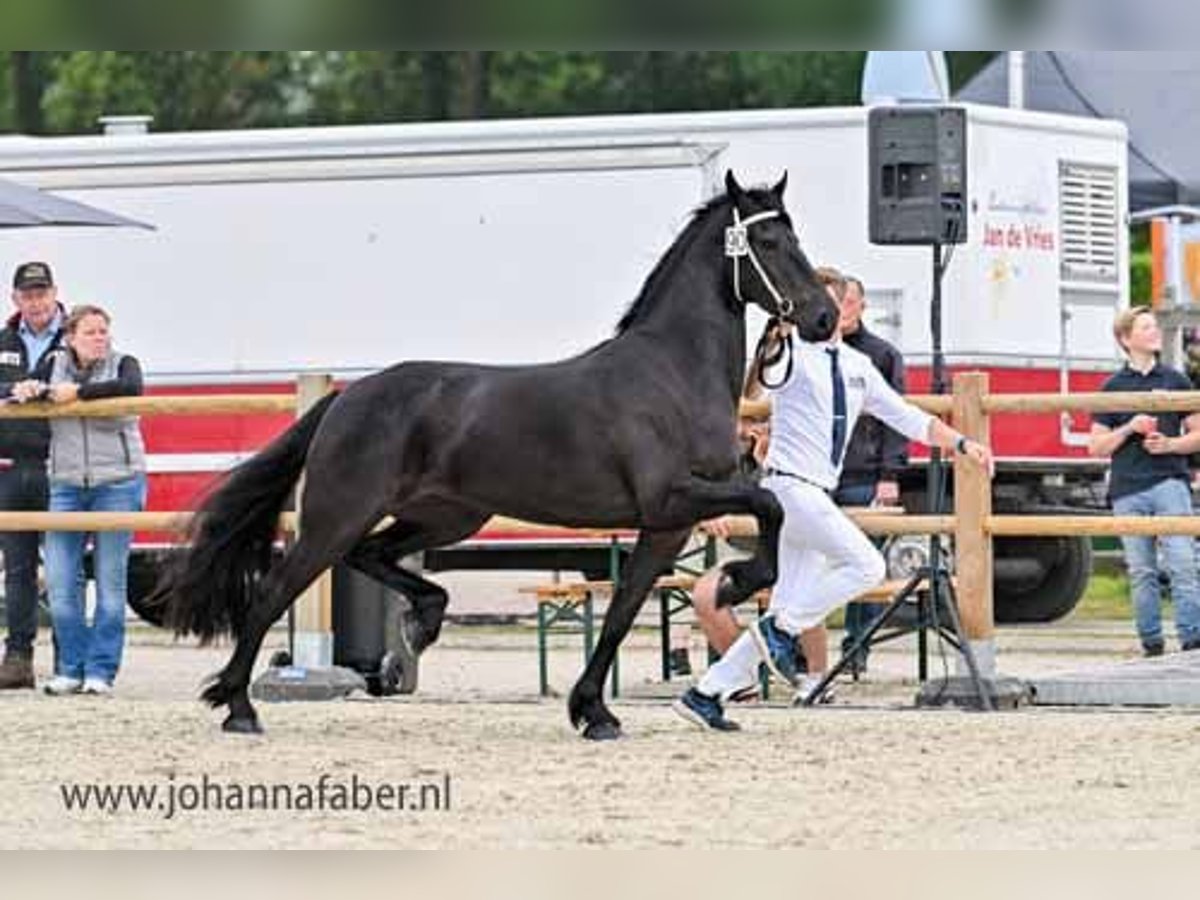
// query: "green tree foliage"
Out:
[65,91]
[183,90]
[362,86]
[522,83]
[965,64]
[26,75]
[356,86]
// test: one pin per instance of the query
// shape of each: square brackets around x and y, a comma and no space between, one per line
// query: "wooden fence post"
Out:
[313,645]
[972,508]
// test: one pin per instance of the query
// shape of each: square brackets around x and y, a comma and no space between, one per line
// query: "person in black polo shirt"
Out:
[1149,477]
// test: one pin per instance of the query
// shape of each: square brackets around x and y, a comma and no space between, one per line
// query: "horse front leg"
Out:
[741,579]
[654,553]
[699,499]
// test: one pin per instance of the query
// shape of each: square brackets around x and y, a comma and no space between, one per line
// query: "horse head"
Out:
[769,268]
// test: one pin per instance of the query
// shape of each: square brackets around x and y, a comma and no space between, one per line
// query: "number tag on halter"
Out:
[737,241]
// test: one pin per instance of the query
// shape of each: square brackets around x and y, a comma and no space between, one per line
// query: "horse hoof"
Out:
[602,731]
[241,725]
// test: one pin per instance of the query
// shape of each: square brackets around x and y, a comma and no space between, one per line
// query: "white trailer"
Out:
[343,250]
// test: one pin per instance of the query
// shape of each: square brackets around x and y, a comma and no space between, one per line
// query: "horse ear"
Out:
[779,188]
[732,187]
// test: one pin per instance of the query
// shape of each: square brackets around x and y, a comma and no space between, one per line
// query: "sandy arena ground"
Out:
[868,771]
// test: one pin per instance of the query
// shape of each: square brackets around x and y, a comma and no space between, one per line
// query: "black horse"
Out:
[638,432]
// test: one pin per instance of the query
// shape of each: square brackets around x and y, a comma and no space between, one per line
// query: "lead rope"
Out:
[763,362]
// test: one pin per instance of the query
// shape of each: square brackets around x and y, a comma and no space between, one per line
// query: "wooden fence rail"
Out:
[180,404]
[1114,401]
[871,522]
[742,526]
[1110,401]
[931,403]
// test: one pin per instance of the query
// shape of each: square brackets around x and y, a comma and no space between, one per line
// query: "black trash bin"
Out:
[362,611]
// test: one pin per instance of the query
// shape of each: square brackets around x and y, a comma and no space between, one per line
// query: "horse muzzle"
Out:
[818,328]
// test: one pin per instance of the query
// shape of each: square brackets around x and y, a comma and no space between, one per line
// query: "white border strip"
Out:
[181,463]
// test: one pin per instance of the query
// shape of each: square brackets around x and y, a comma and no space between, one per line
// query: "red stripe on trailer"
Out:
[224,433]
[1024,435]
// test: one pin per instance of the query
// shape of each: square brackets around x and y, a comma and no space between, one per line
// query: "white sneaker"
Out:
[97,686]
[62,684]
[808,683]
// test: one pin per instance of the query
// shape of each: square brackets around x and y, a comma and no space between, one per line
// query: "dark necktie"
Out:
[839,408]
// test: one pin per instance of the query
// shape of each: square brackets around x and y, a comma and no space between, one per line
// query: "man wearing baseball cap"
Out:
[28,338]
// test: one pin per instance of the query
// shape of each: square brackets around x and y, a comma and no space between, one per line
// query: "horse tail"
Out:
[211,586]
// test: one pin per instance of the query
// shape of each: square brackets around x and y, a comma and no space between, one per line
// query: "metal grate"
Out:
[1088,220]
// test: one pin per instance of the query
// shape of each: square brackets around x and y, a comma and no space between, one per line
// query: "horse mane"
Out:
[670,261]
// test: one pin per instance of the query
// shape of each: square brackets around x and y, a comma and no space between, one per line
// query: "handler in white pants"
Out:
[824,559]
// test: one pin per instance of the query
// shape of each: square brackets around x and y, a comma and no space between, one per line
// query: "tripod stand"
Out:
[930,588]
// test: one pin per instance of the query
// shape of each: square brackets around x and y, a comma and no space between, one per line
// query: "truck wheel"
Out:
[1062,566]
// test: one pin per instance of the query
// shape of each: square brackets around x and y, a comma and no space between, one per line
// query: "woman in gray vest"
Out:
[96,464]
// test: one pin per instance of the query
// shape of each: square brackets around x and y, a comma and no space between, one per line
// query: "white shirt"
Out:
[802,411]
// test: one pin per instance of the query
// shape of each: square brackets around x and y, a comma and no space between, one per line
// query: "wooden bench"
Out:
[573,602]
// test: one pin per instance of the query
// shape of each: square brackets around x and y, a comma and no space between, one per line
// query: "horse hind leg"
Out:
[314,552]
[409,627]
[428,599]
[378,555]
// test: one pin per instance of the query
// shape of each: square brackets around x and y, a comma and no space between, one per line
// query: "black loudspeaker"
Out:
[918,162]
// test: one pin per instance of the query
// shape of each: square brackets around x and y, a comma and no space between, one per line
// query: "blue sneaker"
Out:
[778,649]
[703,711]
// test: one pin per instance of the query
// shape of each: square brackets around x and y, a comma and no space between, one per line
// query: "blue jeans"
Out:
[859,616]
[22,487]
[1167,498]
[91,651]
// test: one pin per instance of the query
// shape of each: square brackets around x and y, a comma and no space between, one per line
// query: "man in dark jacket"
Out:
[876,454]
[28,338]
